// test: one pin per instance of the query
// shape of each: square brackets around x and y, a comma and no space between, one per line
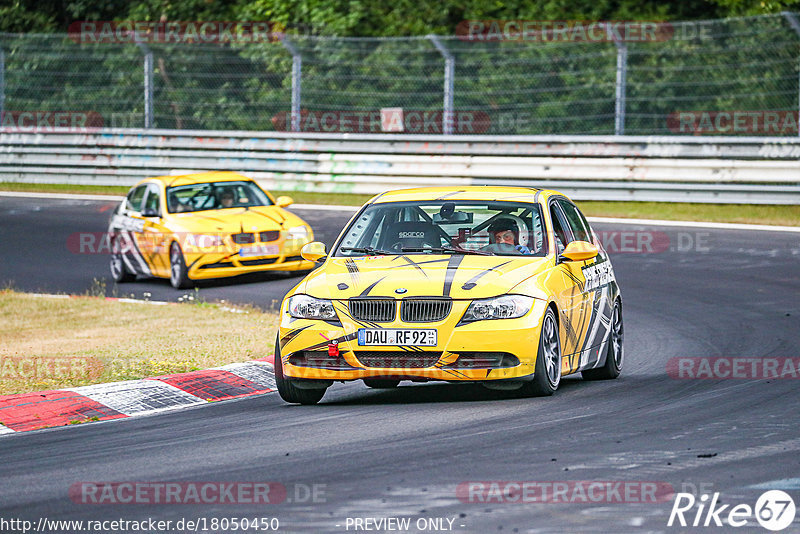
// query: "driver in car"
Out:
[226,198]
[505,231]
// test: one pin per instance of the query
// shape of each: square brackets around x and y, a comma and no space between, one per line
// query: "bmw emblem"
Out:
[401,290]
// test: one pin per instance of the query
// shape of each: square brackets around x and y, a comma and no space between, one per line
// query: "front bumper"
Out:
[225,261]
[458,344]
[211,266]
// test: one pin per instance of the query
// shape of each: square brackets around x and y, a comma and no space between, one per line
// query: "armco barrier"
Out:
[672,169]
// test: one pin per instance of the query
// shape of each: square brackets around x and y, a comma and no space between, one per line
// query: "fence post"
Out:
[796,27]
[449,82]
[2,82]
[622,79]
[148,84]
[297,74]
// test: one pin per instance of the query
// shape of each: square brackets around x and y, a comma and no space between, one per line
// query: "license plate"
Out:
[397,336]
[262,250]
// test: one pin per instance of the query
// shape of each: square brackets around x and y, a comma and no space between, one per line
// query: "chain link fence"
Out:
[732,76]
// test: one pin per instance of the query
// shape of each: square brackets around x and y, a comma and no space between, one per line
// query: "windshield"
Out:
[215,196]
[446,227]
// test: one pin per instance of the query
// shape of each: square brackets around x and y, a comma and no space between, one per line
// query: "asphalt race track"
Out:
[41,250]
[405,453]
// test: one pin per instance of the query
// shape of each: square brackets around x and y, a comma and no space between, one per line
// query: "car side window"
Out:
[562,237]
[135,197]
[538,241]
[152,202]
[576,221]
[365,230]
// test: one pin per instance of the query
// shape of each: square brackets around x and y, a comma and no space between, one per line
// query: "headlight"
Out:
[298,232]
[505,307]
[305,307]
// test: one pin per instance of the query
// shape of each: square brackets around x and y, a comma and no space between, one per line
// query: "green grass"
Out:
[679,211]
[116,190]
[339,199]
[53,343]
[675,211]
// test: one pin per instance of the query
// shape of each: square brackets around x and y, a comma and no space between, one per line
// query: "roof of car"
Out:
[200,177]
[489,193]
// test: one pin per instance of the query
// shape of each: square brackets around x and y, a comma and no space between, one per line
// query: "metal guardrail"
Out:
[755,170]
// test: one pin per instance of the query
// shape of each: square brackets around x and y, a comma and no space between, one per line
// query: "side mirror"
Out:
[284,201]
[314,251]
[149,212]
[579,251]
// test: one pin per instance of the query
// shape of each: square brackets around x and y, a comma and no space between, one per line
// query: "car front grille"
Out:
[263,261]
[397,359]
[413,310]
[244,238]
[483,360]
[425,310]
[271,235]
[218,265]
[375,310]
[318,359]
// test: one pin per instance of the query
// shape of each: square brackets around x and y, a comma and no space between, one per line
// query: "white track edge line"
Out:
[332,207]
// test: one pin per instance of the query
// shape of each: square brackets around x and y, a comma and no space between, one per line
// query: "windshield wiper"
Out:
[368,250]
[450,249]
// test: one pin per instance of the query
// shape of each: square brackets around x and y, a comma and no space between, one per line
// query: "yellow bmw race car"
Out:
[206,225]
[504,286]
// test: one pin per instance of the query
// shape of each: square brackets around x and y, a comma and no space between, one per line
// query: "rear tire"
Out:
[614,352]
[287,390]
[119,272]
[380,383]
[178,273]
[547,372]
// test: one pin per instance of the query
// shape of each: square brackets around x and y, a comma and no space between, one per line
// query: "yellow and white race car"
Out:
[206,225]
[508,287]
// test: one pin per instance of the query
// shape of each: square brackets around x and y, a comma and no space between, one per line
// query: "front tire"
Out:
[614,352]
[288,391]
[119,272]
[178,273]
[547,372]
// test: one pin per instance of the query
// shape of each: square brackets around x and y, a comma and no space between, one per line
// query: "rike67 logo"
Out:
[774,510]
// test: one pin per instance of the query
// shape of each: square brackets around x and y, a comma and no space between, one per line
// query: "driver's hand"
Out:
[523,249]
